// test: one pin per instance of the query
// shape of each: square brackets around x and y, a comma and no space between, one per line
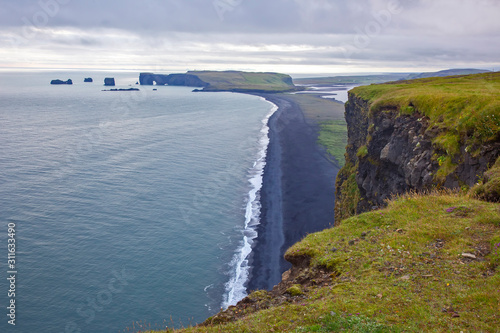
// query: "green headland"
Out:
[245,81]
[235,81]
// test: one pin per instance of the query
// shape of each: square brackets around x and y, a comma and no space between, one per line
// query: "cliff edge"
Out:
[418,135]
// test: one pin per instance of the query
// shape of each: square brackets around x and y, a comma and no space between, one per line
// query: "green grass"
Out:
[245,81]
[333,136]
[399,269]
[295,290]
[334,322]
[362,151]
[465,110]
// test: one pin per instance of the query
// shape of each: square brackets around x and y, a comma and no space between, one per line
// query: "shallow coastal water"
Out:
[129,206]
[336,92]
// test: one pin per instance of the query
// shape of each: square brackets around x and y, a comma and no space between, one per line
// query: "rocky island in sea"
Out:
[122,89]
[109,81]
[57,81]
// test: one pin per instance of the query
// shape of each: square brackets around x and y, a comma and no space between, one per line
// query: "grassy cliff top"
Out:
[424,263]
[466,107]
[245,81]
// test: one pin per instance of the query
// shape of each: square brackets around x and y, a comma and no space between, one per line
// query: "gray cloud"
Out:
[297,35]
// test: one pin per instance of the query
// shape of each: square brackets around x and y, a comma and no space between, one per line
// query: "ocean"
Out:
[129,210]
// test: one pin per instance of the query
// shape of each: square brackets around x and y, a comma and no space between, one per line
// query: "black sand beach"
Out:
[297,194]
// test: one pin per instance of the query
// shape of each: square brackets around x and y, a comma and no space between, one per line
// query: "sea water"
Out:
[131,209]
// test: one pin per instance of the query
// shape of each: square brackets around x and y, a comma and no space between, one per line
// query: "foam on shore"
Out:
[240,269]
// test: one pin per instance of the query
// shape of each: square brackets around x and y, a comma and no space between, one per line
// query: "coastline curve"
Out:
[235,288]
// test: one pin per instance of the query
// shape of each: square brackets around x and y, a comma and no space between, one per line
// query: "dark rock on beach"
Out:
[88,79]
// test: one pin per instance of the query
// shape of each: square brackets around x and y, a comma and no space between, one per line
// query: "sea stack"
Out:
[69,81]
[109,81]
[88,79]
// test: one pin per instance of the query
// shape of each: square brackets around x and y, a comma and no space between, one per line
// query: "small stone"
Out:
[468,255]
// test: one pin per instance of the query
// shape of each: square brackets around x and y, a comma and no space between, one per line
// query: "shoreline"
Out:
[298,189]
[236,286]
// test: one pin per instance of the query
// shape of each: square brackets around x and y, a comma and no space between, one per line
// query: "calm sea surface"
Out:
[129,207]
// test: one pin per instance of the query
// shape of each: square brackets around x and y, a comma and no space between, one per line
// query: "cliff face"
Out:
[391,152]
[171,80]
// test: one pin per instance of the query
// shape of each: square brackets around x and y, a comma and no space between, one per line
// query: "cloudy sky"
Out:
[292,36]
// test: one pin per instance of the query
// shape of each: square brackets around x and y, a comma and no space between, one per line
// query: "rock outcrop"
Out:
[171,80]
[390,152]
[69,81]
[109,81]
[88,79]
[121,89]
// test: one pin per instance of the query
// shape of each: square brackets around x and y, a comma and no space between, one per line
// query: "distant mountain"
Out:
[350,80]
[381,78]
[447,72]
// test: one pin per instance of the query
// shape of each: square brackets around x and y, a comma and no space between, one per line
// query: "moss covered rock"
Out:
[489,190]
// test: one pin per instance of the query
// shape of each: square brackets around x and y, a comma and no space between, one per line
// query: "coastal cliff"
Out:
[171,80]
[427,259]
[234,81]
[399,141]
